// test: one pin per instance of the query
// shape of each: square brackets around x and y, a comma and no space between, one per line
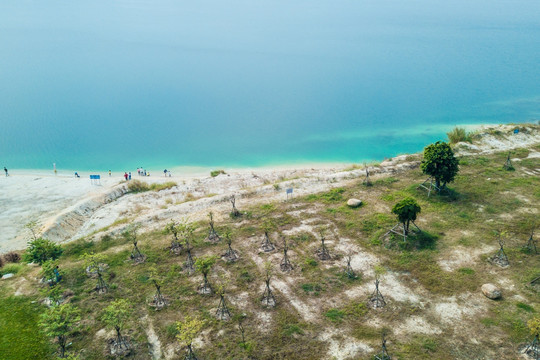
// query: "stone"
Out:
[354,203]
[7,276]
[491,291]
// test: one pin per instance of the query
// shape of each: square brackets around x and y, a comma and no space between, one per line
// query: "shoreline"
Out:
[67,208]
[196,170]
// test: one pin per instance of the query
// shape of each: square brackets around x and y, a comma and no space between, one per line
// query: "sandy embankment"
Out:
[67,208]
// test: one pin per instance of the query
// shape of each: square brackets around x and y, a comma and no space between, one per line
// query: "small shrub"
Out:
[311,262]
[12,257]
[215,173]
[277,187]
[458,135]
[41,250]
[164,186]
[137,186]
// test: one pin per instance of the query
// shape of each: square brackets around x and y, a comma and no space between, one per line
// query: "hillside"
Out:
[434,309]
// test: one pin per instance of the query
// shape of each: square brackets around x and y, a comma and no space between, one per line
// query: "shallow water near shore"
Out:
[99,85]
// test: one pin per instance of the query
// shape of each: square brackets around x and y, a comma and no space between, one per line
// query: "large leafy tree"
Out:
[406,211]
[439,161]
[58,322]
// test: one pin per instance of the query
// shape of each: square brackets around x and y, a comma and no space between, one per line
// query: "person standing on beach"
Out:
[5,169]
[109,173]
[129,176]
[126,176]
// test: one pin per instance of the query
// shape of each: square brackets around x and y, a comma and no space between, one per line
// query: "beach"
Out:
[66,208]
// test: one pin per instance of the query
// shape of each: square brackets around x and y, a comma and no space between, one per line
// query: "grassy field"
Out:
[435,309]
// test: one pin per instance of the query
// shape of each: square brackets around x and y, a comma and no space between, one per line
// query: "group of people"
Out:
[127,176]
[142,172]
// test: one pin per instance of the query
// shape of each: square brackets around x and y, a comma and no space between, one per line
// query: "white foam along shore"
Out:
[66,208]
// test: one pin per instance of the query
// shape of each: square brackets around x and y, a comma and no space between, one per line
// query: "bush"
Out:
[458,135]
[41,250]
[11,269]
[137,186]
[164,186]
[12,257]
[215,173]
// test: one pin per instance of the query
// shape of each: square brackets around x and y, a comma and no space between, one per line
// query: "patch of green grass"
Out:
[525,307]
[466,271]
[11,269]
[311,288]
[335,315]
[21,338]
[333,195]
[291,329]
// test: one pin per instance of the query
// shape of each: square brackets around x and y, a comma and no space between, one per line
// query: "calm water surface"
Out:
[114,84]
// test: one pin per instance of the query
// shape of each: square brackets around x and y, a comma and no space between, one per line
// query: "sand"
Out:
[66,208]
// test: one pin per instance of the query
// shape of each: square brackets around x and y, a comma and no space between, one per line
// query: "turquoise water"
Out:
[121,84]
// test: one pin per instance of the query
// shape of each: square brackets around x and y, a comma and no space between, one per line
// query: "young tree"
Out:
[222,312]
[234,213]
[440,163]
[40,250]
[212,233]
[95,266]
[406,211]
[533,349]
[54,293]
[268,298]
[116,316]
[187,332]
[230,255]
[59,322]
[267,227]
[348,269]
[50,272]
[204,265]
[158,301]
[323,252]
[176,246]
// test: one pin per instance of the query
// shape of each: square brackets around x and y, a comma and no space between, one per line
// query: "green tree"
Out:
[406,211]
[116,316]
[187,332]
[94,264]
[534,326]
[59,322]
[41,250]
[439,161]
[50,271]
[204,265]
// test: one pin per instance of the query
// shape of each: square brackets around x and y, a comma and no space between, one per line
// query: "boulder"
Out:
[354,203]
[491,291]
[7,276]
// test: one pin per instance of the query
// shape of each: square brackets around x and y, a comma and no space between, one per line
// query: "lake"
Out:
[98,85]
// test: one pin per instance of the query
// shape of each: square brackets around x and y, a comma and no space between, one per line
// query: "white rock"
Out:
[491,291]
[7,276]
[354,202]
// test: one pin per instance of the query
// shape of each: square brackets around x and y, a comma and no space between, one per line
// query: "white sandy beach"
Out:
[66,208]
